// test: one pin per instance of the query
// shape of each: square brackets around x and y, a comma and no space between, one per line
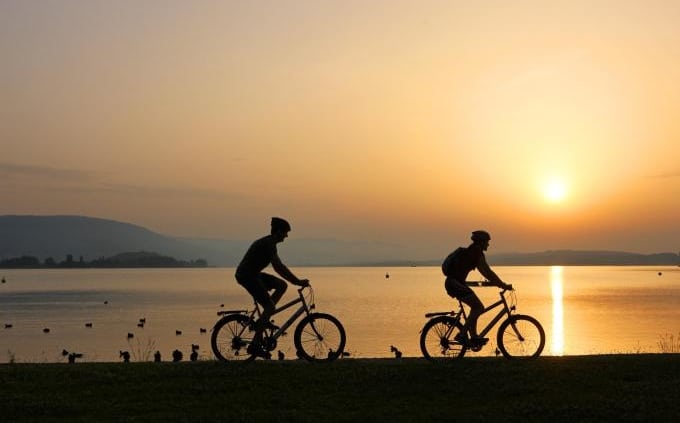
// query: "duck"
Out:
[125,356]
[88,325]
[71,356]
[157,357]
[203,330]
[397,353]
[281,355]
[177,356]
[194,352]
[130,335]
[46,330]
[8,326]
[178,332]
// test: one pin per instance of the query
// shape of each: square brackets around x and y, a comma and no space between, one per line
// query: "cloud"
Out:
[142,190]
[78,181]
[667,175]
[10,170]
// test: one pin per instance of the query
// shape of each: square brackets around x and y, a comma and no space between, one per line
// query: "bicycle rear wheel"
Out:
[230,338]
[437,339]
[319,337]
[521,336]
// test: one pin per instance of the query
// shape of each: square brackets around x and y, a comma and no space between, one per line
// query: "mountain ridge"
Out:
[60,235]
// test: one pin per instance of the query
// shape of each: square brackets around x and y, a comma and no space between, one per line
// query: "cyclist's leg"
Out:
[258,290]
[476,309]
[272,283]
[459,290]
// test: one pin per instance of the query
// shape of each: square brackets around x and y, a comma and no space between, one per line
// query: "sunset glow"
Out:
[405,123]
[555,191]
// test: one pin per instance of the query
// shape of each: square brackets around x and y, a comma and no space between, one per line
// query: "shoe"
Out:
[461,338]
[258,351]
[271,326]
[478,341]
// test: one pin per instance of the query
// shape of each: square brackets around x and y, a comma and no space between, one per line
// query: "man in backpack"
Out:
[250,275]
[456,268]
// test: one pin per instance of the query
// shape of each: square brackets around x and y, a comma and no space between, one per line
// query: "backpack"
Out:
[450,260]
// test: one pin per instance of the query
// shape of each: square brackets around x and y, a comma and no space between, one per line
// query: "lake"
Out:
[584,310]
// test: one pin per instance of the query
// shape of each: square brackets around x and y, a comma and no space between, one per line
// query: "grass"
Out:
[556,389]
[669,344]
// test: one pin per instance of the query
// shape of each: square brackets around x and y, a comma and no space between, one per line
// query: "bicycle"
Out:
[317,337]
[519,335]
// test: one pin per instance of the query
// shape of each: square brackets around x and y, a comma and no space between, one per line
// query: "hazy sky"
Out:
[405,122]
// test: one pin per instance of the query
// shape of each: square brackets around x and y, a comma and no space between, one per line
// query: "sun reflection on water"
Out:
[556,287]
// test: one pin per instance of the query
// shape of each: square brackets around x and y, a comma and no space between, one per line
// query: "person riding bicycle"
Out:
[456,267]
[250,275]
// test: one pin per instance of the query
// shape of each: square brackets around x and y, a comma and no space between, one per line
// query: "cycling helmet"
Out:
[480,236]
[279,224]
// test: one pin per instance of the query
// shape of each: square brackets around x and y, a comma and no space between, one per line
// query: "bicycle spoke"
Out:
[319,337]
[521,336]
[231,337]
[437,339]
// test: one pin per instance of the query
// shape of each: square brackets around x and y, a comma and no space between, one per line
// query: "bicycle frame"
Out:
[505,311]
[255,314]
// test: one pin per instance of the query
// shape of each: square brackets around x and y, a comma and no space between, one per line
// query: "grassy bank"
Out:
[588,388]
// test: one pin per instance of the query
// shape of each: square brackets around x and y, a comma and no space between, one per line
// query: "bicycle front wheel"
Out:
[230,338]
[319,337]
[521,336]
[437,339]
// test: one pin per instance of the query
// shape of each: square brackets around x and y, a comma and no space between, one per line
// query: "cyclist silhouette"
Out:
[456,267]
[250,275]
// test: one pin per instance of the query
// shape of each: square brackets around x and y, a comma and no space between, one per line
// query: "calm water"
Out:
[584,310]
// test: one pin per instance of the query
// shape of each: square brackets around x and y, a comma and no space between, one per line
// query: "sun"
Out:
[555,190]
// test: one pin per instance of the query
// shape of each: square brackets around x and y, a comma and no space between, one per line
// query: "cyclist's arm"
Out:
[285,272]
[489,274]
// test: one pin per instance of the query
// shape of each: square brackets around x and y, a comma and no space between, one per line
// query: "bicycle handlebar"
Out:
[301,288]
[487,283]
[478,283]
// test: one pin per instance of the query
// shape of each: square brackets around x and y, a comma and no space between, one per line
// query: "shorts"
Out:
[259,286]
[463,293]
[457,289]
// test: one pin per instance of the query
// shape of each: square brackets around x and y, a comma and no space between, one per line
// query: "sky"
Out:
[553,125]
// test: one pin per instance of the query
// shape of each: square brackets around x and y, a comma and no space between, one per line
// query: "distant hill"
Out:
[558,258]
[93,238]
[583,258]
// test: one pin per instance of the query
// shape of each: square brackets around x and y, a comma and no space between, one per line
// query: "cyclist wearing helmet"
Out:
[250,275]
[457,270]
